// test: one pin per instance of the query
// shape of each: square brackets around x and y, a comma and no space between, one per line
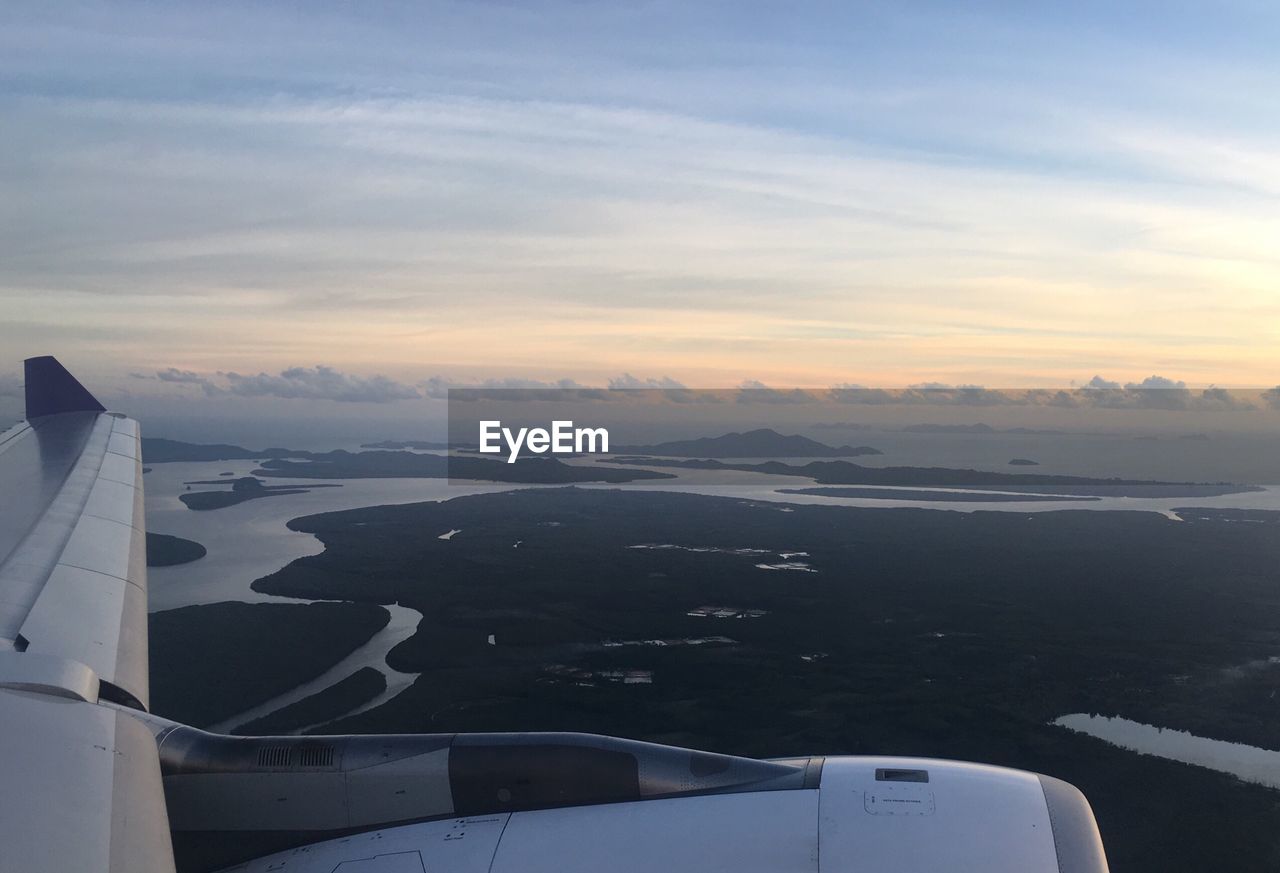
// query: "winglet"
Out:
[51,389]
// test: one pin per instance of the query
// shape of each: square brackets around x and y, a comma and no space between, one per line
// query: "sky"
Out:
[343,202]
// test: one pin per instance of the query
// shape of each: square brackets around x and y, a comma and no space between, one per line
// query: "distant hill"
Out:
[421,445]
[761,443]
[159,451]
[849,473]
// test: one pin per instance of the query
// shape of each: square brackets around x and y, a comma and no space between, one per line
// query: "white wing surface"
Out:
[81,775]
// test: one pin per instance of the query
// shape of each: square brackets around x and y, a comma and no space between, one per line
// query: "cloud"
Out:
[10,385]
[627,381]
[1159,393]
[509,388]
[850,392]
[186,377]
[175,376]
[754,391]
[1160,383]
[618,388]
[1220,399]
[1152,393]
[319,383]
[930,394]
[739,190]
[937,393]
[664,388]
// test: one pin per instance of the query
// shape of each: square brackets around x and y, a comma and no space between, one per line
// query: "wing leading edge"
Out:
[83,779]
[73,580]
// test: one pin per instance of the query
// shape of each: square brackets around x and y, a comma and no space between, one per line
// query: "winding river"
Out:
[250,540]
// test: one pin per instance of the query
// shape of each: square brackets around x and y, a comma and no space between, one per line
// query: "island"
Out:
[242,489]
[760,443]
[1023,462]
[421,445]
[157,450]
[209,663]
[164,550]
[848,473]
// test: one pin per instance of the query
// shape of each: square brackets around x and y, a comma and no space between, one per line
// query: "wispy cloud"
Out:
[1152,393]
[311,383]
[755,391]
[667,187]
[439,387]
[182,377]
[626,380]
[320,383]
[1160,392]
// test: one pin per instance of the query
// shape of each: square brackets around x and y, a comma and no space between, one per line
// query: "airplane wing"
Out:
[82,780]
[94,782]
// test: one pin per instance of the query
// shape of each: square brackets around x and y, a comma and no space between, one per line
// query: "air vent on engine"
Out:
[886,774]
[275,756]
[316,756]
